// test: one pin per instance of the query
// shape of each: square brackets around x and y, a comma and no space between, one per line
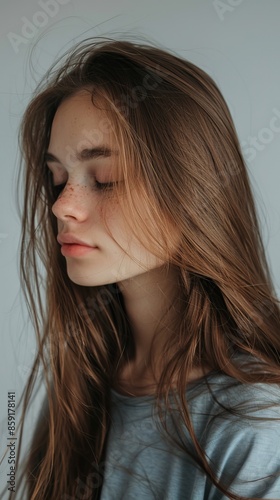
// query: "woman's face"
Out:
[79,125]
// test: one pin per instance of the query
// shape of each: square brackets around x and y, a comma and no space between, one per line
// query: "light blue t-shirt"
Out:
[241,451]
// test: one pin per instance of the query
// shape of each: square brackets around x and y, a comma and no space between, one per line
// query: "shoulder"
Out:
[238,425]
[222,396]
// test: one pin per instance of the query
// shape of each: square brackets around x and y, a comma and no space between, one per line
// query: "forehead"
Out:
[79,123]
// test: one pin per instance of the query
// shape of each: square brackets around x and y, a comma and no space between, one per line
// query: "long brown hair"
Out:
[180,158]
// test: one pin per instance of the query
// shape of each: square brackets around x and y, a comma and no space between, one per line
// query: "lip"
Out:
[75,250]
[70,239]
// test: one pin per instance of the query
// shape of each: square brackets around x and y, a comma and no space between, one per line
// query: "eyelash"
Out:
[100,186]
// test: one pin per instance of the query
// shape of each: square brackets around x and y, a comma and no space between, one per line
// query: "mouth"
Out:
[76,250]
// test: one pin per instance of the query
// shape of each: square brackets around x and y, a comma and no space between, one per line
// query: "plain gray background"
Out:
[236,42]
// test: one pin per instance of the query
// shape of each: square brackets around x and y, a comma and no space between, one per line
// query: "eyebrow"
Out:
[85,154]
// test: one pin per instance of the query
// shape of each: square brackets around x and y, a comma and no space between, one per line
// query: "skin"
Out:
[146,286]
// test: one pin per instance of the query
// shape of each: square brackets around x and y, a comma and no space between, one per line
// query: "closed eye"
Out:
[100,186]
[104,185]
[58,188]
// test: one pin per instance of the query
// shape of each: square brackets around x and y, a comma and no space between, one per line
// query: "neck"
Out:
[149,299]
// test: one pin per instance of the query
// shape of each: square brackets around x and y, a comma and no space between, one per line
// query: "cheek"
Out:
[165,242]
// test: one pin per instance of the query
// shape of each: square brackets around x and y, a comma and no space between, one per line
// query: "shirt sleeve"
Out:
[245,454]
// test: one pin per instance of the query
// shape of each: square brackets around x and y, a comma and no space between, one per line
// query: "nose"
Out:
[72,202]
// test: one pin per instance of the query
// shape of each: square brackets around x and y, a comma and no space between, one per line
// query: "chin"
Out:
[89,279]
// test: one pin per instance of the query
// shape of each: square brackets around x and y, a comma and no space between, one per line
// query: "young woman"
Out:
[159,329]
